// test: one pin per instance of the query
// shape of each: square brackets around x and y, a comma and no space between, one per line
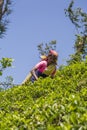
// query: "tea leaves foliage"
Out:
[48,104]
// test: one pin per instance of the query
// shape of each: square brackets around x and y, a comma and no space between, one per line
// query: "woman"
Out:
[46,67]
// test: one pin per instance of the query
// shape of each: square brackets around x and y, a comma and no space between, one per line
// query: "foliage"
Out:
[44,48]
[80,50]
[5,63]
[5,10]
[48,104]
[1,89]
[8,83]
[79,19]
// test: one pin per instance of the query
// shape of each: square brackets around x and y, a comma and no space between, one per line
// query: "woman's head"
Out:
[52,56]
[53,52]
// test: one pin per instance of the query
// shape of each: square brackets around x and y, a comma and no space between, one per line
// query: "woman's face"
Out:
[50,59]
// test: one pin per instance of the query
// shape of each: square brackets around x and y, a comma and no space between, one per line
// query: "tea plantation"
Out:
[48,104]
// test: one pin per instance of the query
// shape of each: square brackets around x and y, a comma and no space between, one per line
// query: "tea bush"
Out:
[48,104]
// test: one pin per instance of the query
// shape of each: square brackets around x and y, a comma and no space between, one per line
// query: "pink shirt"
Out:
[41,66]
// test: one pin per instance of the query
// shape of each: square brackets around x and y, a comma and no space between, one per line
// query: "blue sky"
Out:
[33,22]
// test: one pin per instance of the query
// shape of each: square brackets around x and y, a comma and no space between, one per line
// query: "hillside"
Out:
[48,104]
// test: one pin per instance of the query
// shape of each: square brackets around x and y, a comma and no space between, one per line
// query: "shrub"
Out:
[48,104]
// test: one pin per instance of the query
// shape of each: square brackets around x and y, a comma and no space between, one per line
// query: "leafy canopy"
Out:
[48,104]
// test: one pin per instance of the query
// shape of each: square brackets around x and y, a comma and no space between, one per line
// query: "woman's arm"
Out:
[40,67]
[33,73]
